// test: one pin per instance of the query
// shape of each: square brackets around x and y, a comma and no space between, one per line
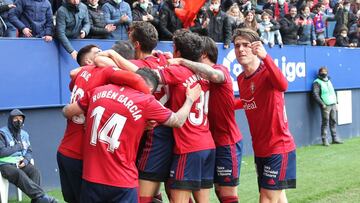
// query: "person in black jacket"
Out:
[4,7]
[219,28]
[143,11]
[289,27]
[342,40]
[169,22]
[98,27]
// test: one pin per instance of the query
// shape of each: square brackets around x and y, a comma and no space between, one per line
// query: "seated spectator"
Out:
[250,21]
[266,35]
[342,40]
[33,18]
[15,159]
[169,22]
[289,27]
[201,22]
[72,22]
[118,13]
[306,30]
[219,28]
[235,16]
[7,29]
[98,29]
[143,11]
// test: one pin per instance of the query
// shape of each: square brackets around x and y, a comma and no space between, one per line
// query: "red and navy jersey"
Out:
[88,78]
[223,125]
[262,95]
[194,135]
[157,62]
[116,118]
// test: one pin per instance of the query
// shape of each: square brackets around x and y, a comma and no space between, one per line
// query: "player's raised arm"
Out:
[119,60]
[71,110]
[178,119]
[277,79]
[205,70]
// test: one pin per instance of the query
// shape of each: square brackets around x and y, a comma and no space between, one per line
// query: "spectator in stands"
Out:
[118,12]
[7,29]
[219,28]
[270,5]
[169,22]
[250,21]
[157,5]
[320,19]
[306,30]
[289,27]
[343,16]
[342,40]
[201,22]
[279,8]
[15,159]
[143,11]
[266,35]
[33,18]
[235,16]
[355,6]
[72,22]
[354,31]
[98,29]
[324,94]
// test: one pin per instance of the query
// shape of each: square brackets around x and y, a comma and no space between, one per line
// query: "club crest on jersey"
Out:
[252,87]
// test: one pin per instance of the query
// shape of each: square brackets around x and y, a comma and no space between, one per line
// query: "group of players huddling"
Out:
[134,123]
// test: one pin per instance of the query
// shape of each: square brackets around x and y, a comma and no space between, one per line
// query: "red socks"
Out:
[229,199]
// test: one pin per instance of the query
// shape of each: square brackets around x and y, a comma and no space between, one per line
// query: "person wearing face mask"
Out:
[324,94]
[219,27]
[343,17]
[143,11]
[169,22]
[15,156]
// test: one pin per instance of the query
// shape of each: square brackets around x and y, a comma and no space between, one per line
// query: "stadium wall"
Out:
[34,77]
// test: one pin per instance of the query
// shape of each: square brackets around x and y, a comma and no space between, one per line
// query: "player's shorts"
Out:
[192,171]
[277,172]
[70,171]
[228,164]
[154,160]
[94,193]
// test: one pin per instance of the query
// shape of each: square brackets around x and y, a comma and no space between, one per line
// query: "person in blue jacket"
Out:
[15,159]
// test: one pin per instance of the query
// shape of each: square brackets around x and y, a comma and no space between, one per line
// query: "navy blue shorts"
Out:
[192,171]
[276,172]
[70,177]
[94,193]
[228,164]
[155,158]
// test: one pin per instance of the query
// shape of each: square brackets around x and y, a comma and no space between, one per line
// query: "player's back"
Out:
[116,119]
[195,134]
[222,121]
[87,78]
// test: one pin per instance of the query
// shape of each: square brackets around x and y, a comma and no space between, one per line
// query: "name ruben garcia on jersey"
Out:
[128,103]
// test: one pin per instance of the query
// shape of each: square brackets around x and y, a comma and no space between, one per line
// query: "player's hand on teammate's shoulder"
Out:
[150,124]
[193,93]
[174,61]
[258,49]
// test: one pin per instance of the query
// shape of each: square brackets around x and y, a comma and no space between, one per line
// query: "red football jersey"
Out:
[195,134]
[262,95]
[223,125]
[157,62]
[88,78]
[116,118]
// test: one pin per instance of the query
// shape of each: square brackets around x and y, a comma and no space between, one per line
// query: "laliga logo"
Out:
[291,70]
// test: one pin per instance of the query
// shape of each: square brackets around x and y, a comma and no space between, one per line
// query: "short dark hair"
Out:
[146,34]
[247,33]
[210,49]
[125,49]
[322,68]
[189,44]
[83,52]
[149,76]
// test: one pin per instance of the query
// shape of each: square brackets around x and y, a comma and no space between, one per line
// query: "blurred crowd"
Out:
[279,22]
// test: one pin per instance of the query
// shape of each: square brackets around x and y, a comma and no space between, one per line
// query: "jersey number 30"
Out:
[110,131]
